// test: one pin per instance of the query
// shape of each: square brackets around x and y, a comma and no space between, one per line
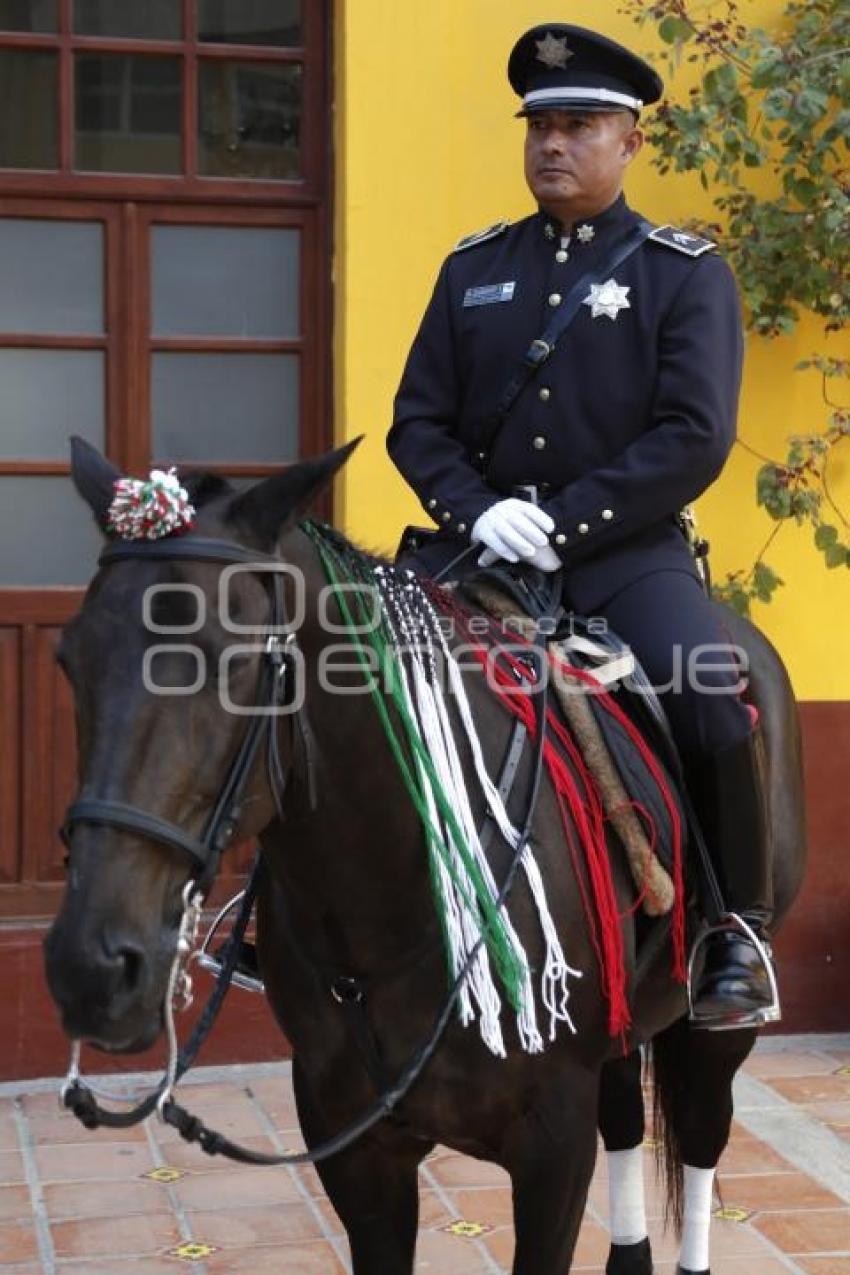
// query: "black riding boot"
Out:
[734,988]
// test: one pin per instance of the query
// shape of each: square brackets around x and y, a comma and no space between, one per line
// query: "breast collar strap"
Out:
[275,690]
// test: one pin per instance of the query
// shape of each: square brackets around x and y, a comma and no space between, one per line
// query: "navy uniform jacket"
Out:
[630,419]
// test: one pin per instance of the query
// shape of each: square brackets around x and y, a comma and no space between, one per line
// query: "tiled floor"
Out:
[143,1203]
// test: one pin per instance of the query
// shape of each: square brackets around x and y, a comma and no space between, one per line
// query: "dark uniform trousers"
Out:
[630,419]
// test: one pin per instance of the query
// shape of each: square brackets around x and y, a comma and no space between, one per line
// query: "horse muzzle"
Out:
[106,989]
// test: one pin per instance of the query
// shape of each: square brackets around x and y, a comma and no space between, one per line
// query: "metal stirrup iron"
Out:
[733,923]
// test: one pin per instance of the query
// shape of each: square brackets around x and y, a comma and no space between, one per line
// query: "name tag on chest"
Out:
[490,294]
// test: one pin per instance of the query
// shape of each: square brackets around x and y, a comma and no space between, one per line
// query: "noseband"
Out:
[276,693]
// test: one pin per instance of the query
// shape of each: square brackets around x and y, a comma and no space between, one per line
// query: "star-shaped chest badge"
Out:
[553,51]
[586,233]
[607,298]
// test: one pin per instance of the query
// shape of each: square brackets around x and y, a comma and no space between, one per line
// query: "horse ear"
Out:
[94,477]
[269,507]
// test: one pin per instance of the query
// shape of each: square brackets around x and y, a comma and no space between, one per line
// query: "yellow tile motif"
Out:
[731,1214]
[164,1174]
[467,1230]
[192,1252]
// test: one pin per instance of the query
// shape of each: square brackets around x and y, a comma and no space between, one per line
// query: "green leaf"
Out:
[805,190]
[836,556]
[826,536]
[765,581]
[675,30]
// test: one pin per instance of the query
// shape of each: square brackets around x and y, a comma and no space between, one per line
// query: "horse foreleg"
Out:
[372,1186]
[621,1123]
[694,1071]
[551,1161]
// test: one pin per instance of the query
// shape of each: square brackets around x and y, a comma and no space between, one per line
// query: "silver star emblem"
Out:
[607,298]
[553,51]
[585,233]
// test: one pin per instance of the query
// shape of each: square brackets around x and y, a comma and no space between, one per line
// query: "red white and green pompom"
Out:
[148,509]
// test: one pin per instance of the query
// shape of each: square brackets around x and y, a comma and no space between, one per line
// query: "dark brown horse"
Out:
[346,893]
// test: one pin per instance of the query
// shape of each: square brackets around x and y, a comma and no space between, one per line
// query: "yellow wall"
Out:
[427,150]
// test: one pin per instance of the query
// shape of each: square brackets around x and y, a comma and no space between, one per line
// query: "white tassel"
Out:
[463,931]
[424,699]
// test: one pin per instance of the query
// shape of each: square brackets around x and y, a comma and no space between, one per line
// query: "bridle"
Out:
[219,830]
[276,696]
[275,693]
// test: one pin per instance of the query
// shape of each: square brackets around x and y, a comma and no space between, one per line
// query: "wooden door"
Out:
[165,263]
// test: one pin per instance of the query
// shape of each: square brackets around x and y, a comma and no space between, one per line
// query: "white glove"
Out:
[513,529]
[544,559]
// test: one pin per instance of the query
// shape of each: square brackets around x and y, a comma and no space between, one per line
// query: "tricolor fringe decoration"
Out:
[406,636]
[151,508]
[582,813]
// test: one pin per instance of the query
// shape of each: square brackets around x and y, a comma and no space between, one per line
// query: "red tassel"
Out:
[581,811]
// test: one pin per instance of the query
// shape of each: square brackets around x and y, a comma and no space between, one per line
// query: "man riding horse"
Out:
[572,387]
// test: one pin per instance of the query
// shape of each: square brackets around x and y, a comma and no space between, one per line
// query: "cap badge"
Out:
[607,298]
[553,51]
[585,233]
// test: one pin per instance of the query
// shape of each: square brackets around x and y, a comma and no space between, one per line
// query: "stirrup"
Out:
[733,922]
[212,962]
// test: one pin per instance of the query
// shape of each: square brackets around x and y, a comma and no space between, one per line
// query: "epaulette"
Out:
[481,236]
[682,241]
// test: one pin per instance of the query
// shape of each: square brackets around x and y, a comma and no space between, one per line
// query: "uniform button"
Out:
[482,455]
[560,539]
[461,527]
[583,529]
[538,443]
[561,256]
[607,515]
[545,394]
[432,504]
[555,298]
[447,516]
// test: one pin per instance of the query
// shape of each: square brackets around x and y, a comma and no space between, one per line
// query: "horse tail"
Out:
[667,1056]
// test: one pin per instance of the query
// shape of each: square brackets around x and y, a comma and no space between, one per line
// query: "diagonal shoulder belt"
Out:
[541,348]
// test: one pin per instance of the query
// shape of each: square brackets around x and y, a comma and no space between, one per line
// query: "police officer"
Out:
[626,420]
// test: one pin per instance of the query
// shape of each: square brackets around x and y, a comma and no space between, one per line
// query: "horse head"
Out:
[166,667]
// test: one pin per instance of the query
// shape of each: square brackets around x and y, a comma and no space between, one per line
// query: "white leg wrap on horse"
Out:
[627,1209]
[699,1191]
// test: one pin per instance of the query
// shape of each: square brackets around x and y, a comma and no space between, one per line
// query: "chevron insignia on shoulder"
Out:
[682,241]
[481,236]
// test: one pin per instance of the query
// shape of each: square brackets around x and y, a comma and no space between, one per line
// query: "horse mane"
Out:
[347,548]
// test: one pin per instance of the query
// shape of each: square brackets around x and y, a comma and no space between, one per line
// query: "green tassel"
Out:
[480,904]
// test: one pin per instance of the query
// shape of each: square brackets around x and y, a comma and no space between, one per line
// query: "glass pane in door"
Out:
[249,119]
[127,113]
[52,273]
[240,281]
[29,119]
[129,19]
[28,15]
[47,533]
[276,22]
[47,396]
[225,407]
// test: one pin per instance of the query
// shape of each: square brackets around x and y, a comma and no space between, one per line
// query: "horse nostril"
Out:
[133,964]
[127,968]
